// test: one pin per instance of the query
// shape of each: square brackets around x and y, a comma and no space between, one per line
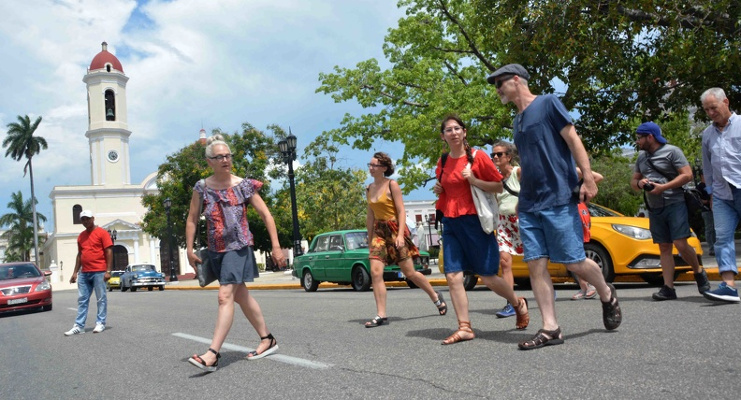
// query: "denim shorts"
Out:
[669,223]
[466,247]
[235,266]
[554,233]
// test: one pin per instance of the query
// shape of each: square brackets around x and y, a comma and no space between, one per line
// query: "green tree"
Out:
[253,154]
[22,143]
[20,233]
[618,61]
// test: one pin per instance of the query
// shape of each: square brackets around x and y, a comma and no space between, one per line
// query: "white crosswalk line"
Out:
[300,362]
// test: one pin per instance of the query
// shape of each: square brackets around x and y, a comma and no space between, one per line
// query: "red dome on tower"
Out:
[103,58]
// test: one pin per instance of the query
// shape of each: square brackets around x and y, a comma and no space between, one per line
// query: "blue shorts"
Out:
[554,233]
[669,223]
[235,266]
[466,247]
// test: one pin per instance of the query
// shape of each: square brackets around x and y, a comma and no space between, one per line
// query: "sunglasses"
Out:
[498,83]
[498,154]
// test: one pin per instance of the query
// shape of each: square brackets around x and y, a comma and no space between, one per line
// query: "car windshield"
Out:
[116,273]
[599,211]
[18,271]
[143,268]
[357,240]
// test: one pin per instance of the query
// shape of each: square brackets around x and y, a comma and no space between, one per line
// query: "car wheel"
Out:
[123,287]
[360,279]
[133,288]
[162,288]
[411,284]
[656,279]
[523,283]
[308,282]
[469,280]
[600,256]
[150,288]
[110,289]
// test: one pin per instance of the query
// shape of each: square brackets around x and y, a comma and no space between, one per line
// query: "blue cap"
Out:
[650,128]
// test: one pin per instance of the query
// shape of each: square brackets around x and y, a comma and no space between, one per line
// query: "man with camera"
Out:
[660,171]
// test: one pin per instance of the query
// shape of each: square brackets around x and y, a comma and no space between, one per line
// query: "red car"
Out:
[23,286]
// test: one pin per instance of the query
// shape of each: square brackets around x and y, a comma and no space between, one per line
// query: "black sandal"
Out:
[377,321]
[200,363]
[254,355]
[543,338]
[442,307]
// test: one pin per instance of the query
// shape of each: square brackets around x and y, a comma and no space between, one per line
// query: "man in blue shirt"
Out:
[550,226]
[721,163]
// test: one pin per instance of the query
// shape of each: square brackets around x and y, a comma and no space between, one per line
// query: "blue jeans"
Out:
[86,282]
[727,214]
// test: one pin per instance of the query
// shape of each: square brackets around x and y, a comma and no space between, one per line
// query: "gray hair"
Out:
[716,92]
[510,149]
[215,140]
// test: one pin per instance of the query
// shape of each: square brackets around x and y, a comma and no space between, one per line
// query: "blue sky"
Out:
[191,63]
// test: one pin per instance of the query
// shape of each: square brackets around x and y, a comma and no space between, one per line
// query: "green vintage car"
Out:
[342,257]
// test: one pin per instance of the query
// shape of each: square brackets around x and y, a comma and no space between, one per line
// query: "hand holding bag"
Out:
[204,272]
[486,206]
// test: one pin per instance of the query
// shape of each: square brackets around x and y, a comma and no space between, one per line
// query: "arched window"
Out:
[110,105]
[108,67]
[76,210]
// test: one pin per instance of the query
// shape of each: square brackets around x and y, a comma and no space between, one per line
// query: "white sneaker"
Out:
[99,328]
[76,330]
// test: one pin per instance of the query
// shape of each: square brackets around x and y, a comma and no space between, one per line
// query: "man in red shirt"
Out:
[95,256]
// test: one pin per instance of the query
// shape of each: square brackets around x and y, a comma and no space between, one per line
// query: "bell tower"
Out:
[107,132]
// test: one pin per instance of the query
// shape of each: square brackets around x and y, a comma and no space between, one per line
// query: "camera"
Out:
[648,186]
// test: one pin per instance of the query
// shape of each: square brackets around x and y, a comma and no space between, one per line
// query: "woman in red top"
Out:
[465,244]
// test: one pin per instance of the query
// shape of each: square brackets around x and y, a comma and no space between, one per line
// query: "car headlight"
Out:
[633,231]
[43,286]
[135,277]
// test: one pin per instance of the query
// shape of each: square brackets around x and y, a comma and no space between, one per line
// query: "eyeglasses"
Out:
[375,165]
[639,137]
[498,83]
[221,157]
[498,154]
[452,129]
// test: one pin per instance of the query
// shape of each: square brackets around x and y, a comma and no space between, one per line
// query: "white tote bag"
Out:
[486,206]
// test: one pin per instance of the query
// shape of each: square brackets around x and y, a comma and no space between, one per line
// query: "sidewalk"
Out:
[269,280]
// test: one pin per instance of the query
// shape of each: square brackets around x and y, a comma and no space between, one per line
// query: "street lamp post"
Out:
[113,235]
[173,275]
[430,222]
[288,151]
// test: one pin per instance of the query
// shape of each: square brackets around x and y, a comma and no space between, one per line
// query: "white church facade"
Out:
[114,200]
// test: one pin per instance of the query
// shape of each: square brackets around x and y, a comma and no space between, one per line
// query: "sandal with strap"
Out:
[254,355]
[442,307]
[523,316]
[463,326]
[543,338]
[200,363]
[376,321]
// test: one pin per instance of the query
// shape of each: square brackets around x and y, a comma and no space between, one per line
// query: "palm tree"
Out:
[20,222]
[22,143]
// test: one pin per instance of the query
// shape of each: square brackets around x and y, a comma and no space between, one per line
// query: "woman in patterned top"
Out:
[224,198]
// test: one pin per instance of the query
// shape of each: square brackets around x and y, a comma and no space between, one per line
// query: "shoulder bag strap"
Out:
[200,210]
[648,159]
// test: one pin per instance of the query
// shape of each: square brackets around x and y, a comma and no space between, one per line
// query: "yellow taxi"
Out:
[115,281]
[620,245]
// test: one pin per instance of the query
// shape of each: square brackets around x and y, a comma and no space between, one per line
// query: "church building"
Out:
[113,199]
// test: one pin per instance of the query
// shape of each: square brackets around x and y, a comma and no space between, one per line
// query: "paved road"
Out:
[684,349]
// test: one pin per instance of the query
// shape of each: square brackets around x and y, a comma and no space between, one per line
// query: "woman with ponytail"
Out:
[465,244]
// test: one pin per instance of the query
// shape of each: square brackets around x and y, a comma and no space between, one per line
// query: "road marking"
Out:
[70,308]
[300,362]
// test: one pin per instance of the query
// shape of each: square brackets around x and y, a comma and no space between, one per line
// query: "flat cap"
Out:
[509,69]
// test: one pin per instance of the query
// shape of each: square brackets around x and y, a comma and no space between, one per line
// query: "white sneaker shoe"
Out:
[99,328]
[76,330]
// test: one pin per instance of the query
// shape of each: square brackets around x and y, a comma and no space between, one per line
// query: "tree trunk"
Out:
[35,224]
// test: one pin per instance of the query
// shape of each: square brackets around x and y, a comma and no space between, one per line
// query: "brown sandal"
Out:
[542,338]
[463,326]
[523,316]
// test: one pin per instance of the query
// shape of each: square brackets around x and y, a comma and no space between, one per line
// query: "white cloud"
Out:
[218,63]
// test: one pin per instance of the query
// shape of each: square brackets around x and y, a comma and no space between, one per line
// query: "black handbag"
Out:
[692,197]
[204,272]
